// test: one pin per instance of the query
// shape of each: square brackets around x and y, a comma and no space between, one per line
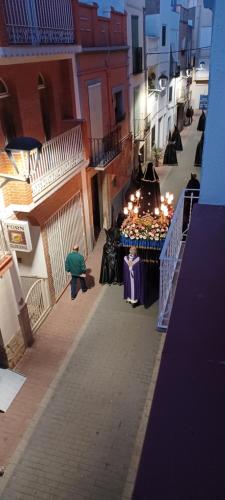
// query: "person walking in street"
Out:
[75,265]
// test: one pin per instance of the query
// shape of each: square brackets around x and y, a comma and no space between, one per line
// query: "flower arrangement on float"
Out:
[153,226]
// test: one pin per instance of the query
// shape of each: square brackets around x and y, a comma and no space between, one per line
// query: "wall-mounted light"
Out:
[163,81]
[23,152]
[202,65]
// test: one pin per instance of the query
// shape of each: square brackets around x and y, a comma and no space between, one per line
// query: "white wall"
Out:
[33,263]
[9,323]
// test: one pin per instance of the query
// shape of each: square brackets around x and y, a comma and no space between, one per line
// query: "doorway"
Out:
[96,206]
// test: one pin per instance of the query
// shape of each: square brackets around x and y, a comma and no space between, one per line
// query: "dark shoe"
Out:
[135,305]
[85,290]
[73,298]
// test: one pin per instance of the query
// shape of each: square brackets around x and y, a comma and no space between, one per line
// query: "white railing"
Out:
[171,255]
[36,22]
[4,250]
[38,303]
[58,156]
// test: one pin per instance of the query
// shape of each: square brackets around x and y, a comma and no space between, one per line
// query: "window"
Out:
[170,93]
[45,106]
[163,36]
[118,103]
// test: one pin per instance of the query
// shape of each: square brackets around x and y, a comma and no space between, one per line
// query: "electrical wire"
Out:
[177,51]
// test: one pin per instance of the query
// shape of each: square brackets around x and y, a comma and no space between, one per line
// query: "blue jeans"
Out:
[73,284]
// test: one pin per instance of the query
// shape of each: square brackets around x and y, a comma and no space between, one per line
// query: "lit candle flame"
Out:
[132,198]
[162,199]
[130,205]
[135,210]
[156,211]
[138,194]
[125,211]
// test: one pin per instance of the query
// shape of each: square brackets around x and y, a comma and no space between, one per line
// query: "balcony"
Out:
[104,150]
[58,158]
[35,22]
[137,60]
[141,127]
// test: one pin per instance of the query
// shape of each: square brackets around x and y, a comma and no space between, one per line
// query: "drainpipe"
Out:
[22,310]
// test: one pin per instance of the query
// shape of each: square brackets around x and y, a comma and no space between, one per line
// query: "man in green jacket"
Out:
[75,265]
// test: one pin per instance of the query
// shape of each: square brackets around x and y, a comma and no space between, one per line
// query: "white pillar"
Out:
[213,169]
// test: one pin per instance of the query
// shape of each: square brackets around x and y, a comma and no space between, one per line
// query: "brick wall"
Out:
[97,31]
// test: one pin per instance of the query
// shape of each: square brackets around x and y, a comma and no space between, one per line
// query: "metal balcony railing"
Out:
[142,127]
[172,252]
[104,150]
[58,156]
[39,22]
[137,60]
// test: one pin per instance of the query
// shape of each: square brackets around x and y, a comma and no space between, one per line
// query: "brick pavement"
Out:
[81,444]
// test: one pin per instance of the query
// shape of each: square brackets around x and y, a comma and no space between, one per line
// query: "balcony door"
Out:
[96,121]
[95,110]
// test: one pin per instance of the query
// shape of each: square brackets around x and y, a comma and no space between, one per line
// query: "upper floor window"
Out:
[119,106]
[45,106]
[163,35]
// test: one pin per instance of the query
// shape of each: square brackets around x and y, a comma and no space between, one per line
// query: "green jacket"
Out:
[75,264]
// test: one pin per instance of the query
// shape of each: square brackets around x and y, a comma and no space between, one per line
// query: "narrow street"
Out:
[76,428]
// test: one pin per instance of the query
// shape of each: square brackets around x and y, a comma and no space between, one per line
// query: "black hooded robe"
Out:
[177,139]
[201,122]
[150,191]
[170,155]
[199,150]
[110,267]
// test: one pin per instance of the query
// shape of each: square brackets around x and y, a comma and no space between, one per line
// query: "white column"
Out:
[213,169]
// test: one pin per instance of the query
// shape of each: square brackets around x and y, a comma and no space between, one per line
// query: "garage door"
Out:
[64,229]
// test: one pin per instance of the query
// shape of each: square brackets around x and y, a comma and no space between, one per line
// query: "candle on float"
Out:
[172,197]
[162,206]
[138,194]
[156,211]
[162,199]
[132,198]
[167,195]
[166,212]
[125,211]
[130,205]
[169,201]
[135,210]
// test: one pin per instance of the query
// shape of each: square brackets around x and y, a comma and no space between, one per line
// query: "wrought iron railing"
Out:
[58,156]
[137,60]
[142,127]
[104,150]
[38,303]
[171,255]
[36,22]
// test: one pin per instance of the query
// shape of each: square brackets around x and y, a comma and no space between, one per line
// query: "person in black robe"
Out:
[177,139]
[192,192]
[150,191]
[110,267]
[189,115]
[201,122]
[199,150]
[170,155]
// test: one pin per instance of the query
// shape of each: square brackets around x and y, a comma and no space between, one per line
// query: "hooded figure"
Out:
[191,197]
[110,267]
[170,155]
[132,278]
[201,122]
[150,191]
[199,150]
[177,139]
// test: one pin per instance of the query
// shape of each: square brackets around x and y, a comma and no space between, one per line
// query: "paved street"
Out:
[90,380]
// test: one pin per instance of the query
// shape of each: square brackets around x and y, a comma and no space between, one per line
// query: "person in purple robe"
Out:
[132,278]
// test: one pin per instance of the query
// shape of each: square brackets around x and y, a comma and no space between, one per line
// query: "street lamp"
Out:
[188,71]
[163,81]
[24,153]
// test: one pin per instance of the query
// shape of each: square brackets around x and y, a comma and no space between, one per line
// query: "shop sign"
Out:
[18,233]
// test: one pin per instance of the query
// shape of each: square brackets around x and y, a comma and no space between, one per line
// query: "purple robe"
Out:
[132,280]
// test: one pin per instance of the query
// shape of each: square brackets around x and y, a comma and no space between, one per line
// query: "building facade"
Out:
[67,87]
